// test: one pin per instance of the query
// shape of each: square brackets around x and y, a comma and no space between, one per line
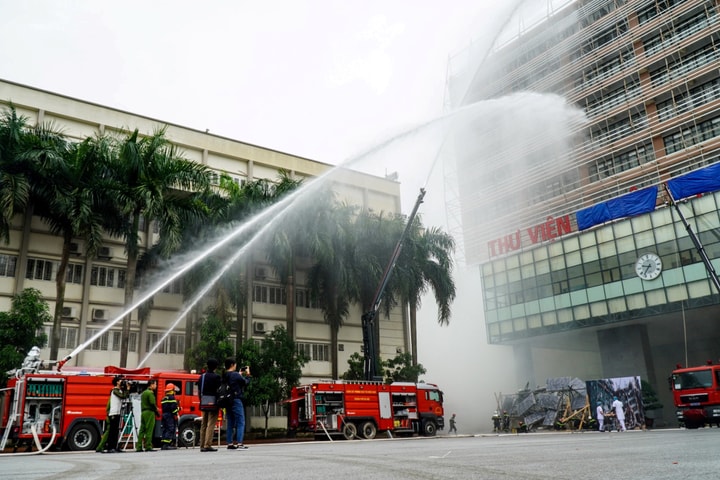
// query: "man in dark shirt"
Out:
[236,413]
[209,383]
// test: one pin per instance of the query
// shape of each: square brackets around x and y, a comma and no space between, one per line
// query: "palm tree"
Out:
[14,181]
[68,194]
[153,181]
[330,279]
[426,262]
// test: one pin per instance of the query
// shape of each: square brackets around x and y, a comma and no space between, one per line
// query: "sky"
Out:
[321,79]
[316,78]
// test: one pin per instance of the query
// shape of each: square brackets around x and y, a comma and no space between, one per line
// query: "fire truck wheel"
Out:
[349,431]
[429,428]
[83,437]
[368,430]
[187,434]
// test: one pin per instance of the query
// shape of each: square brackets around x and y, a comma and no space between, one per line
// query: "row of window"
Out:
[654,9]
[692,135]
[115,277]
[316,352]
[173,344]
[598,258]
[679,68]
[682,102]
[275,295]
[606,167]
[678,32]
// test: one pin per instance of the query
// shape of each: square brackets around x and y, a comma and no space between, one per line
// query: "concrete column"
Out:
[625,352]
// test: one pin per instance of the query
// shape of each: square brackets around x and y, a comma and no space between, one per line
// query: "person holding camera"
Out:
[120,391]
[236,414]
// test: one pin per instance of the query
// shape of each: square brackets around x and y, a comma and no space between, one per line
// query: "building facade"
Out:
[95,286]
[572,297]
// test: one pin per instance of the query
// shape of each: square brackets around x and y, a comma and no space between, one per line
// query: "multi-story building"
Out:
[569,295]
[95,286]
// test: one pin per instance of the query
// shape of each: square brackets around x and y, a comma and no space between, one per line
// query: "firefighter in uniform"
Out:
[149,410]
[170,411]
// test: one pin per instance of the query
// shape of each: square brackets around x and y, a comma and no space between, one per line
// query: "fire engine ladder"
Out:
[14,412]
[696,241]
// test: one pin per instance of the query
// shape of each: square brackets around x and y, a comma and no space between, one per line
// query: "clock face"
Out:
[648,266]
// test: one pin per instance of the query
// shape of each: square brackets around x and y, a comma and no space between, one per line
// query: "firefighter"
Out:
[452,425]
[170,411]
[506,421]
[148,407]
[496,422]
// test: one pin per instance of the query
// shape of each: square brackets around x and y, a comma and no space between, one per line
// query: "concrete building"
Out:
[573,298]
[95,286]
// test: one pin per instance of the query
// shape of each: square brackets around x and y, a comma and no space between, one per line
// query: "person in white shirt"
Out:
[600,417]
[617,405]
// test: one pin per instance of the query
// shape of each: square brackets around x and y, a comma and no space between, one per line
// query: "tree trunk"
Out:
[413,333]
[334,351]
[290,307]
[60,281]
[132,254]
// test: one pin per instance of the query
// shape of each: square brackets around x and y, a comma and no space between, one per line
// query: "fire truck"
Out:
[362,409]
[696,393]
[68,409]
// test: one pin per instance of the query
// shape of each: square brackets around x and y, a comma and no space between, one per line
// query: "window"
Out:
[100,343]
[68,337]
[105,277]
[74,273]
[174,287]
[7,265]
[268,294]
[304,299]
[173,344]
[39,269]
[274,410]
[319,352]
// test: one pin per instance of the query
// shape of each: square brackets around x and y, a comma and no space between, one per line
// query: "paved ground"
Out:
[660,454]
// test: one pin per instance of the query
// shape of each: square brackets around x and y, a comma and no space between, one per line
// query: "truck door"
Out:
[385,405]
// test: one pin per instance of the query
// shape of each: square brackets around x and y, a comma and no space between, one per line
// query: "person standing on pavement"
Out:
[600,412]
[617,405]
[170,411]
[149,410]
[236,413]
[452,425]
[120,391]
[209,384]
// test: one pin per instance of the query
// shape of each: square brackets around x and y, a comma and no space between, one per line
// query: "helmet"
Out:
[169,387]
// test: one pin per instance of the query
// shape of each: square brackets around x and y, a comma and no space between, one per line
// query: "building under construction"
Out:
[587,268]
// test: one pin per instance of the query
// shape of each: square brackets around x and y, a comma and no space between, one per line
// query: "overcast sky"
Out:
[315,78]
[322,79]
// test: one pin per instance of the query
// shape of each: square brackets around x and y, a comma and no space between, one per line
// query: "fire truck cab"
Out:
[696,393]
[364,408]
[68,409]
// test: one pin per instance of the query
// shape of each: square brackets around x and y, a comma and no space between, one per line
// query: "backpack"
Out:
[225,395]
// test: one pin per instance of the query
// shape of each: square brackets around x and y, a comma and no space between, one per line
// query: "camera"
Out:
[245,368]
[128,385]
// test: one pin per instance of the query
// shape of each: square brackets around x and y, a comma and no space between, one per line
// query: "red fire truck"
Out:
[362,409]
[67,409]
[696,393]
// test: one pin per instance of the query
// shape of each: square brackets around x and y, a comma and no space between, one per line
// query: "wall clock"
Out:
[648,266]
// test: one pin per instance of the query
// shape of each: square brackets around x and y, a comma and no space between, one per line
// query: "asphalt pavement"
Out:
[637,455]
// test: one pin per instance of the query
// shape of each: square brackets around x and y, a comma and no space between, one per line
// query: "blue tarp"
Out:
[635,203]
[698,181]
